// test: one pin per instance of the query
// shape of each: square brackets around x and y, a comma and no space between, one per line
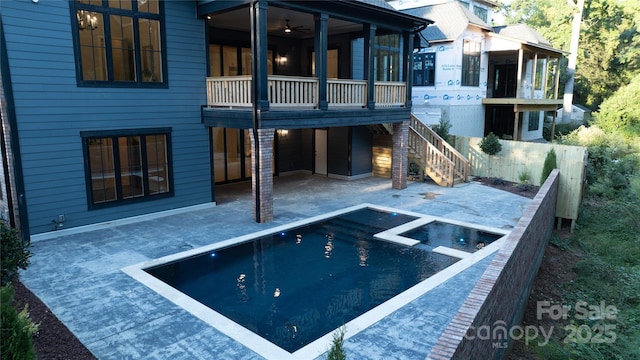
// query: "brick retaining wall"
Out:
[500,296]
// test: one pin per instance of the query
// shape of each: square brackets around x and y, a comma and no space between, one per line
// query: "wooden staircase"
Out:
[437,158]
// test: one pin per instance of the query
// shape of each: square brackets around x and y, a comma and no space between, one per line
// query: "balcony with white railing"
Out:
[286,92]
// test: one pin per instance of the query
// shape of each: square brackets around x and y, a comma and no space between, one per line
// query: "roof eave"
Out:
[417,21]
[545,48]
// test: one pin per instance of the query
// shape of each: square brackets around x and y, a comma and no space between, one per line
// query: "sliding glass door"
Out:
[231,154]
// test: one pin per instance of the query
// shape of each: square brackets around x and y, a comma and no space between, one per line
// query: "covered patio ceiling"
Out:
[300,23]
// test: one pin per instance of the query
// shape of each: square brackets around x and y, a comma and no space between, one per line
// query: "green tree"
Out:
[550,163]
[605,60]
[442,128]
[609,49]
[490,144]
[337,352]
[620,113]
[550,18]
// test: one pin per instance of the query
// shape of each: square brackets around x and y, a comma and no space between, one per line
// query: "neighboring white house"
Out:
[481,78]
[579,115]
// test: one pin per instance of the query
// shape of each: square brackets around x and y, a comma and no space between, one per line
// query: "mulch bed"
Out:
[54,341]
[525,190]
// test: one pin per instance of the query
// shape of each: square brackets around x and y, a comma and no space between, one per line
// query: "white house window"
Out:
[534,120]
[539,74]
[471,63]
[481,13]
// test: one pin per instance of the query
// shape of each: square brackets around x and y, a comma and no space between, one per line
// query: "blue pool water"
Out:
[463,238]
[296,286]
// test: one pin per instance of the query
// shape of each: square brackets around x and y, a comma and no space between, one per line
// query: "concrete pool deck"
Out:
[79,275]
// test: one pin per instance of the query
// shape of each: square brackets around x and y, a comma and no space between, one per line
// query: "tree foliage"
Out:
[16,329]
[14,254]
[490,144]
[621,113]
[551,18]
[609,49]
[337,352]
[442,128]
[550,163]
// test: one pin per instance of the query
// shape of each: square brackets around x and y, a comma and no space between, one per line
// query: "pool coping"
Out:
[319,346]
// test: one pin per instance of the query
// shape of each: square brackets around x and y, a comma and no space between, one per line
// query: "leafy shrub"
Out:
[524,177]
[337,346]
[586,136]
[610,169]
[442,129]
[560,130]
[497,181]
[550,163]
[525,181]
[17,329]
[490,144]
[621,111]
[14,254]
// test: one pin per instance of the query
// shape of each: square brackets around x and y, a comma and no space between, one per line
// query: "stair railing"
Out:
[433,159]
[461,164]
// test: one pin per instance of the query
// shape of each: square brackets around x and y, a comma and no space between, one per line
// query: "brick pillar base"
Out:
[262,179]
[399,155]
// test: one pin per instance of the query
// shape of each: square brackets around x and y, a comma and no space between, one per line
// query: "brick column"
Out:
[262,178]
[399,156]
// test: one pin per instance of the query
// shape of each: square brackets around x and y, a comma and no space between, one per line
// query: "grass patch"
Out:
[608,270]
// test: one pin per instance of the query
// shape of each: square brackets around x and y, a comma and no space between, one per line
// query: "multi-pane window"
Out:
[127,166]
[539,74]
[387,57]
[226,60]
[424,69]
[534,120]
[119,42]
[481,12]
[471,63]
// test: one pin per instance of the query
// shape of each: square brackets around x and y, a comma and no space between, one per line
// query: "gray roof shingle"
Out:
[521,32]
[451,20]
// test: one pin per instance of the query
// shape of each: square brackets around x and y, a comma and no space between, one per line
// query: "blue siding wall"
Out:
[361,155]
[357,59]
[52,110]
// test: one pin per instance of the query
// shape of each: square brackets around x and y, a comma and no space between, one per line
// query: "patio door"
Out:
[231,152]
[320,151]
[505,81]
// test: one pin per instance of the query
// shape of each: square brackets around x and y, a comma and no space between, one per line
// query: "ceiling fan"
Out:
[288,28]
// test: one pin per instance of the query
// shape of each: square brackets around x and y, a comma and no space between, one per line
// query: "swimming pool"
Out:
[439,233]
[283,291]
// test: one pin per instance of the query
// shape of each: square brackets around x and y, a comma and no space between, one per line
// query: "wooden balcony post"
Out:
[519,74]
[407,74]
[369,59]
[320,47]
[259,55]
[518,93]
[534,69]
